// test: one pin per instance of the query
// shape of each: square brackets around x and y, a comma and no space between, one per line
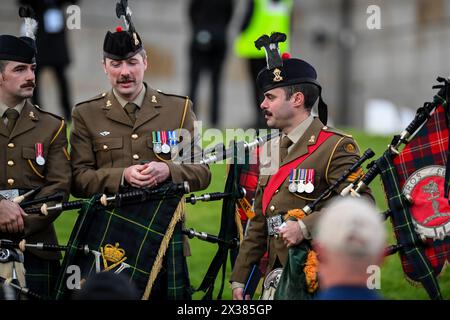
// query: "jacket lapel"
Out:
[114,110]
[27,120]
[308,138]
[149,108]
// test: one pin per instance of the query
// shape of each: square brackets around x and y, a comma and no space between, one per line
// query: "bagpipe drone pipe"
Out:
[416,184]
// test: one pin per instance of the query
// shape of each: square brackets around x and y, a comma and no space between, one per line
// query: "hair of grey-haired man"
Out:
[350,237]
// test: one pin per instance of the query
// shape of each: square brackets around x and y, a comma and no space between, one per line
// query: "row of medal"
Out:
[164,141]
[301,180]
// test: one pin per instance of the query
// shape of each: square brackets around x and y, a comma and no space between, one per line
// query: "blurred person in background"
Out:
[209,22]
[262,17]
[52,48]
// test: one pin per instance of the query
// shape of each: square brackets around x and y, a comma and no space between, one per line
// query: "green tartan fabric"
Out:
[40,274]
[138,228]
[404,228]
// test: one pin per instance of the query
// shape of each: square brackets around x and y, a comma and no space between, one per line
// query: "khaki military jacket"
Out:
[330,160]
[19,169]
[104,141]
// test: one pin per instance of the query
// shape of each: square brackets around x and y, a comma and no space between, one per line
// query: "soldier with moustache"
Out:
[34,154]
[125,137]
[311,154]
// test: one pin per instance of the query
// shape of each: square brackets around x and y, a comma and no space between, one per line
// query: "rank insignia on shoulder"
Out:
[108,103]
[350,148]
[154,99]
[31,115]
[104,133]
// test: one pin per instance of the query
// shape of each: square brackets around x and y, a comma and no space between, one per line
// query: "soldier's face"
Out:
[126,76]
[278,112]
[17,81]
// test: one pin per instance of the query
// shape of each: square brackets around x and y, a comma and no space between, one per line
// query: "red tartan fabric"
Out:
[249,181]
[429,147]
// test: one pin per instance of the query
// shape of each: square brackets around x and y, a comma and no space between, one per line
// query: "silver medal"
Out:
[165,148]
[301,187]
[292,187]
[157,148]
[309,187]
[40,160]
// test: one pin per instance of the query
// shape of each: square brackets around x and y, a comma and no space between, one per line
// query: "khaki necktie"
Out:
[130,108]
[12,115]
[284,146]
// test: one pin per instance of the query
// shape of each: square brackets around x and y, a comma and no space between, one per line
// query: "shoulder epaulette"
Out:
[336,131]
[97,97]
[48,112]
[172,95]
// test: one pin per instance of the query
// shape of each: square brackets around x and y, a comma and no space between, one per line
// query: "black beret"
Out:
[20,49]
[293,71]
[121,45]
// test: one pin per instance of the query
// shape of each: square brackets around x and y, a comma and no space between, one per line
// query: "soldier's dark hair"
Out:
[3,64]
[309,90]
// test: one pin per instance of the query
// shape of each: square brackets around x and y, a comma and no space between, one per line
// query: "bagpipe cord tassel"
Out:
[177,216]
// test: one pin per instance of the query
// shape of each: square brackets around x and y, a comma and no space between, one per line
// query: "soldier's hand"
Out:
[136,176]
[158,170]
[11,217]
[291,233]
[238,294]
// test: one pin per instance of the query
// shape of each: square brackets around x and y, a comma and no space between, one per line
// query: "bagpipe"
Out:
[100,240]
[416,183]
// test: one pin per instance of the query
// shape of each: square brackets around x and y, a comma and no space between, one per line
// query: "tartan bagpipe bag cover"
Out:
[131,237]
[422,224]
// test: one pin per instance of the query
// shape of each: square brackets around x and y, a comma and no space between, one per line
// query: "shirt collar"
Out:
[18,107]
[300,130]
[139,100]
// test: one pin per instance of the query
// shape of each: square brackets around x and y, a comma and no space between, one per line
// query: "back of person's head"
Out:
[108,286]
[352,227]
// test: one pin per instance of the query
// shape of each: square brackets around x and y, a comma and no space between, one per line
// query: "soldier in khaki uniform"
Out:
[112,133]
[318,156]
[120,138]
[34,152]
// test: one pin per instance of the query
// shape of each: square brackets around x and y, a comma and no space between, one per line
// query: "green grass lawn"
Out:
[206,217]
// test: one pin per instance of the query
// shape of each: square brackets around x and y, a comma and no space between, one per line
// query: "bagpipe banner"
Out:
[138,239]
[414,184]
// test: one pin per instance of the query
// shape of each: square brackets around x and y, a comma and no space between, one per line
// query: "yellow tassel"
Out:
[177,216]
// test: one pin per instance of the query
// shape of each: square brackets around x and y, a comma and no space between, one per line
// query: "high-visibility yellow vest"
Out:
[268,17]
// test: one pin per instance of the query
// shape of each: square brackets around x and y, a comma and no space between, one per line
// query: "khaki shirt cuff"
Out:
[305,231]
[122,180]
[235,285]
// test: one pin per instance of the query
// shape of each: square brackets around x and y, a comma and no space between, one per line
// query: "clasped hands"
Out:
[146,175]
